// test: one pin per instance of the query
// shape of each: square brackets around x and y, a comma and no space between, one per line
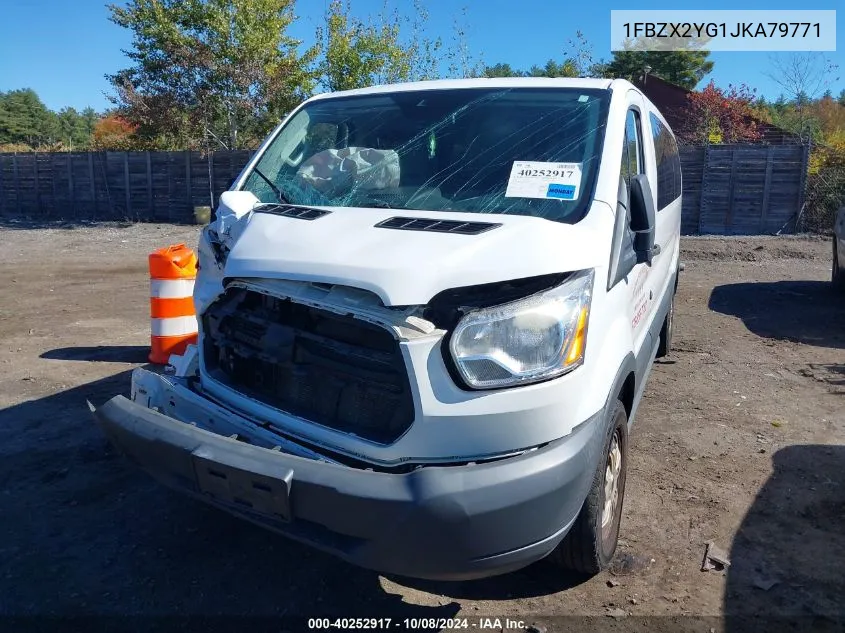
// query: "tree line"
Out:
[214,74]
[26,123]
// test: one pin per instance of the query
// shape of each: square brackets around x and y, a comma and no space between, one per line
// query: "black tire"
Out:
[665,342]
[837,277]
[588,548]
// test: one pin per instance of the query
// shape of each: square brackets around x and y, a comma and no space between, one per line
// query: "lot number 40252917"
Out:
[546,173]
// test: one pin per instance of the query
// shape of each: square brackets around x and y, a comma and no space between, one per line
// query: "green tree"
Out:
[551,68]
[684,67]
[89,120]
[24,119]
[222,69]
[356,53]
[501,70]
[74,130]
[577,62]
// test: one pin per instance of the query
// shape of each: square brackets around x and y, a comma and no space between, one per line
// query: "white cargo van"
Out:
[427,315]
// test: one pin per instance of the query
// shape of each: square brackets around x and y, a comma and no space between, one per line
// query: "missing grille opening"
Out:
[327,368]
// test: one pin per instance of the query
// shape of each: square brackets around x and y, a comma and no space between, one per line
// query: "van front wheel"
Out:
[590,544]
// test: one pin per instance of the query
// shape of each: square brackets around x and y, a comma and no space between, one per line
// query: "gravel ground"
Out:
[740,440]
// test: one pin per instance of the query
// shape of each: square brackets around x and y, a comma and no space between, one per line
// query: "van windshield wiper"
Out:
[282,198]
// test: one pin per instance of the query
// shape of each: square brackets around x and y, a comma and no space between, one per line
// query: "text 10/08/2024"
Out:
[410,624]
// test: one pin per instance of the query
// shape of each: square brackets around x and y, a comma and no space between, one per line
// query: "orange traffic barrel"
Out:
[173,323]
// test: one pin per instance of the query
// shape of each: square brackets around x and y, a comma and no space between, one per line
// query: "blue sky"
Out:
[63,48]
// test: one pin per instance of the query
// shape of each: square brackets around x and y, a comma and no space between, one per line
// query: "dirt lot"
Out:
[740,440]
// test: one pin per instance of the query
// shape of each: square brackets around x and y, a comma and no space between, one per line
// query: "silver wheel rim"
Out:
[611,483]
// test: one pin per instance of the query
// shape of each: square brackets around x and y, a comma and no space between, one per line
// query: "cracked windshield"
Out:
[519,151]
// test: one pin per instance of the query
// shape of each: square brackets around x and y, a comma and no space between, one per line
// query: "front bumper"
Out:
[437,522]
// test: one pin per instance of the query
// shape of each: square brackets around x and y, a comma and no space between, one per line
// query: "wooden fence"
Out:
[728,189]
[146,186]
[742,189]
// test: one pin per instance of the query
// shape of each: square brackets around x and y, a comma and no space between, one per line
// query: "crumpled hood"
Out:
[405,267]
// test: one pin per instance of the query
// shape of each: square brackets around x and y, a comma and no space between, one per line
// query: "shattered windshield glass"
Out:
[505,150]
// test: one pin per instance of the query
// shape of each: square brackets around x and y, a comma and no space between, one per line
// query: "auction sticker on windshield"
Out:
[533,179]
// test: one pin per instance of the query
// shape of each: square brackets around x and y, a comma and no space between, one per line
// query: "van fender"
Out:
[626,366]
[614,364]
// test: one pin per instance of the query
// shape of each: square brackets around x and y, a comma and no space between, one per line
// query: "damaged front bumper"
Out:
[435,522]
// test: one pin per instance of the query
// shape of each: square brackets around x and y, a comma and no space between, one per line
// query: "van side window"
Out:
[632,152]
[668,163]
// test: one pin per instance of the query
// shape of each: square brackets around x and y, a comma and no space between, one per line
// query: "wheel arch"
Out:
[624,387]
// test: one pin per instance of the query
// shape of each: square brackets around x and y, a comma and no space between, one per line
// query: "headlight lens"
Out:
[533,339]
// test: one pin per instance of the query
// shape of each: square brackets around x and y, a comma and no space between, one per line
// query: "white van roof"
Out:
[498,82]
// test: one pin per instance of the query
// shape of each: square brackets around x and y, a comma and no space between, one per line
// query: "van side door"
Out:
[664,175]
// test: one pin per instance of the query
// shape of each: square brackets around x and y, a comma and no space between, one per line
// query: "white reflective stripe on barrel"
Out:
[171,288]
[175,326]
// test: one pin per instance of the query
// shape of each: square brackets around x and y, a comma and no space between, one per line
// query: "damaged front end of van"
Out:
[393,327]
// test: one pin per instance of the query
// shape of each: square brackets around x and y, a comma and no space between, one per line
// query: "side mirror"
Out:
[642,219]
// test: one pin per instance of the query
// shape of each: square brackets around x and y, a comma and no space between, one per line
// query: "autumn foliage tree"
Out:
[723,116]
[830,115]
[114,133]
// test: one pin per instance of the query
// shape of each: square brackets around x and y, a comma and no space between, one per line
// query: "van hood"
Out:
[408,267]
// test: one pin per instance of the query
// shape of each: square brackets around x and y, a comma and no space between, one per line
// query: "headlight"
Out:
[533,339]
